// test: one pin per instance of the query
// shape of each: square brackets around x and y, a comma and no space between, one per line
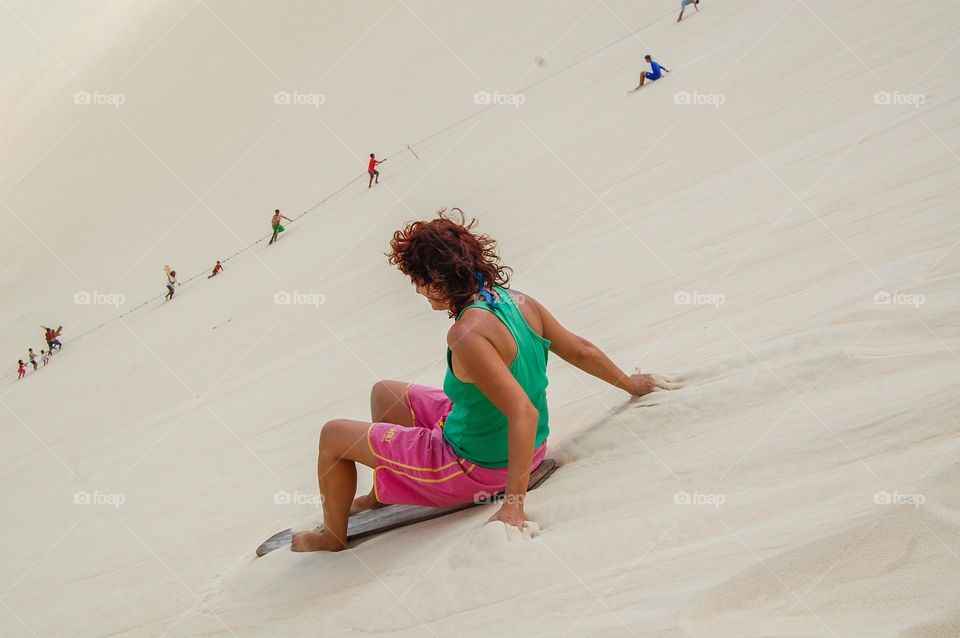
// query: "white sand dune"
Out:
[776,222]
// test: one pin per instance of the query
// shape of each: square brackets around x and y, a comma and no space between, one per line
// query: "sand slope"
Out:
[775,221]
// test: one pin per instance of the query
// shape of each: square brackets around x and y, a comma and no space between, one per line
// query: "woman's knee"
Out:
[344,439]
[332,436]
[385,397]
[379,390]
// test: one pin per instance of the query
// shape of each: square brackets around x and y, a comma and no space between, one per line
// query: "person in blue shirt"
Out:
[683,5]
[654,73]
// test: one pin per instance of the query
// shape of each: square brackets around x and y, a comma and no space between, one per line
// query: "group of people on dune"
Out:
[51,336]
[485,431]
[276,225]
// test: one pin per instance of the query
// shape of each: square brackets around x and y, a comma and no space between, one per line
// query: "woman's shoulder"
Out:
[460,337]
[475,321]
[529,308]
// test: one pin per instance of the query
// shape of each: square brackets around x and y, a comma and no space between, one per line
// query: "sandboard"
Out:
[391,517]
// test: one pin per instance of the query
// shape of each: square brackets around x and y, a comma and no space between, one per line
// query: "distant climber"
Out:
[683,5]
[372,170]
[277,226]
[50,336]
[655,72]
[171,281]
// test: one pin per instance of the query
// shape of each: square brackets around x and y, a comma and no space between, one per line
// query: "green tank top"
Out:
[475,428]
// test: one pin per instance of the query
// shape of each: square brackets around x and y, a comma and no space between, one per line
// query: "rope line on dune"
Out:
[419,143]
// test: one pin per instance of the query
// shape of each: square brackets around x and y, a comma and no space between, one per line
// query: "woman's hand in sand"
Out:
[647,383]
[642,384]
[509,514]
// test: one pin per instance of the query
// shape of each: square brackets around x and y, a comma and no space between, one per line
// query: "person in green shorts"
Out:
[275,222]
[489,424]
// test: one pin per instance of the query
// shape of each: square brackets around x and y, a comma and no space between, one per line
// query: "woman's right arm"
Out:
[577,351]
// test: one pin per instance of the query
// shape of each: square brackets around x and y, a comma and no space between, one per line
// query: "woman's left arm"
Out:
[480,363]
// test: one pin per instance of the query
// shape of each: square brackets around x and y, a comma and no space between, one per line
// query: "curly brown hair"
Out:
[447,255]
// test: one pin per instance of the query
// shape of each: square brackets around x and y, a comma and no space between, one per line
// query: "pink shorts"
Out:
[416,466]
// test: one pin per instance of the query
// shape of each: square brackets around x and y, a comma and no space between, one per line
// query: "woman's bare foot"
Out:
[315,542]
[364,503]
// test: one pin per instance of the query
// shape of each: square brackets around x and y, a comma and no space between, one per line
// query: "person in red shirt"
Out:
[21,370]
[372,170]
[217,268]
[50,336]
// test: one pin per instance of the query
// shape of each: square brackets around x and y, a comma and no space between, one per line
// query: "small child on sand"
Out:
[33,357]
[44,356]
[21,369]
[216,269]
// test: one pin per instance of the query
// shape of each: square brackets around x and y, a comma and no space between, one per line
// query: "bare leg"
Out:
[388,404]
[343,444]
[681,15]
